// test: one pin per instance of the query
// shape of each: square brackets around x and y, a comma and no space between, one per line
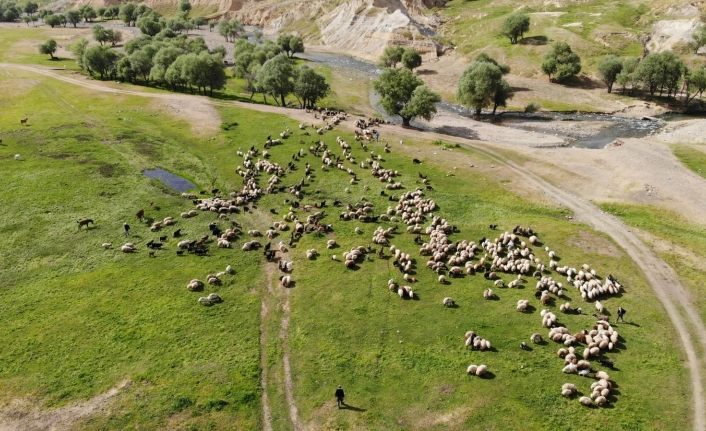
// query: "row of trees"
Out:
[663,74]
[269,69]
[179,63]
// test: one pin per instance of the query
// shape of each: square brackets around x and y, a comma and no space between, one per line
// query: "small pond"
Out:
[169,179]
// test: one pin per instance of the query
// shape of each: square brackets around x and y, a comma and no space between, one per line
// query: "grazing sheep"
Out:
[568,390]
[107,245]
[443,279]
[448,302]
[311,254]
[331,244]
[475,342]
[285,281]
[488,294]
[522,305]
[586,401]
[472,369]
[536,338]
[128,248]
[18,157]
[195,285]
[602,375]
[482,370]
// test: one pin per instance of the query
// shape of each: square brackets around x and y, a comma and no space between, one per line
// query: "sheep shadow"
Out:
[530,309]
[489,375]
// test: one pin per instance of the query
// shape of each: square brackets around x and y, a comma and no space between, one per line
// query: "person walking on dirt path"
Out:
[340,395]
[621,314]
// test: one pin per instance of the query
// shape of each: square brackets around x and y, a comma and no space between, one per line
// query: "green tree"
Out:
[276,77]
[100,60]
[396,88]
[101,34]
[162,60]
[502,94]
[185,6]
[48,47]
[411,58]
[309,86]
[78,49]
[149,25]
[694,84]
[296,45]
[52,20]
[479,84]
[515,26]
[698,39]
[87,13]
[291,44]
[114,37]
[627,76]
[561,62]
[199,21]
[128,13]
[141,64]
[10,14]
[421,104]
[73,17]
[30,8]
[609,68]
[230,29]
[391,56]
[661,72]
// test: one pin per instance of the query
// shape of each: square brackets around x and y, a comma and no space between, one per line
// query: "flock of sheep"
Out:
[506,261]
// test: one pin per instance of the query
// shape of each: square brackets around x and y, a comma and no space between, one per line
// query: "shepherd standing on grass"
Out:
[340,395]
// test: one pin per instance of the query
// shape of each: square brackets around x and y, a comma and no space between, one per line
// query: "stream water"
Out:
[586,130]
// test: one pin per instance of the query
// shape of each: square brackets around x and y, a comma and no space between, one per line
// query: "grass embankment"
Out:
[79,319]
[680,243]
[693,158]
[593,28]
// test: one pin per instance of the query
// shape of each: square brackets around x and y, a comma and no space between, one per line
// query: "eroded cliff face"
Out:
[360,27]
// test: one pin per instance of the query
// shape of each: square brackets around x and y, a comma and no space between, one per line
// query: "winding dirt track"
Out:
[663,280]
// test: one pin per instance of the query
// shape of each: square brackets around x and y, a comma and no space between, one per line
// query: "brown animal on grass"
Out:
[140,214]
[23,121]
[85,222]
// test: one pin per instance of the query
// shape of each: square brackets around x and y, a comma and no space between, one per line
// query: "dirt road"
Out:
[663,280]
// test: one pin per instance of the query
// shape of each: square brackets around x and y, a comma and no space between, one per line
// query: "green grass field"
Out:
[79,319]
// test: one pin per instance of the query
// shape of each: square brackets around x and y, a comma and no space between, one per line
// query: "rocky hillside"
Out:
[360,27]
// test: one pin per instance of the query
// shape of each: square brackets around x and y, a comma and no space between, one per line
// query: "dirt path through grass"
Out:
[22,415]
[662,278]
[264,336]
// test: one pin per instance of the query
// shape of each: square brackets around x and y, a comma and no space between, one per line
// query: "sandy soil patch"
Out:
[201,115]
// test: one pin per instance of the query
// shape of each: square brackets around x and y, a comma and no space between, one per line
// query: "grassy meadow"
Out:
[78,319]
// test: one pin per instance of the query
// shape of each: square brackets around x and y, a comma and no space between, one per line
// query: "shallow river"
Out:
[587,130]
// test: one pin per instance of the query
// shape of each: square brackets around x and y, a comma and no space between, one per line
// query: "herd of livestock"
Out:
[508,260]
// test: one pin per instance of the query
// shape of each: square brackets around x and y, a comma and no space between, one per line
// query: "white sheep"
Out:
[107,245]
[18,157]
[448,302]
[586,401]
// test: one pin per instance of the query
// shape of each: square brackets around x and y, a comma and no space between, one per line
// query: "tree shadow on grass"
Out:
[534,40]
